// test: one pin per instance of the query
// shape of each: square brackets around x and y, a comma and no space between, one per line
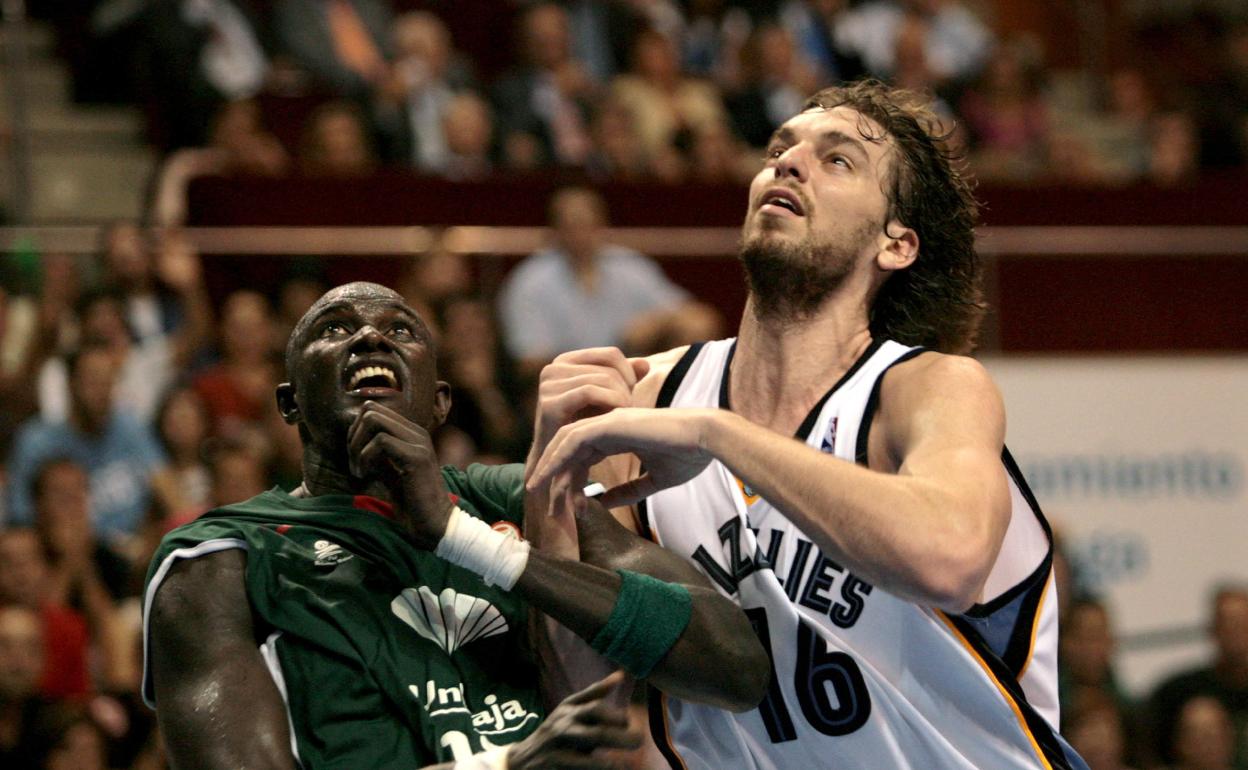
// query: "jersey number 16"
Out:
[817,671]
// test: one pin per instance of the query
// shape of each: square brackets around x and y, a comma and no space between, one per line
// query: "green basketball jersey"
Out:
[386,655]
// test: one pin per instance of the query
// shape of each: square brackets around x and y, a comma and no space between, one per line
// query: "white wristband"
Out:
[494,759]
[472,544]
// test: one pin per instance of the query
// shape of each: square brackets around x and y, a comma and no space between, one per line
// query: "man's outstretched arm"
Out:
[930,531]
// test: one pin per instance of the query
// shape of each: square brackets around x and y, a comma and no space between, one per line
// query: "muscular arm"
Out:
[930,531]
[716,660]
[217,704]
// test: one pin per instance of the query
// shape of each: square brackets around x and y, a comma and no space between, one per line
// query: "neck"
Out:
[86,424]
[324,474]
[783,366]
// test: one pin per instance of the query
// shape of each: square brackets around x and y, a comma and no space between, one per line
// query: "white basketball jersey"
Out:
[860,678]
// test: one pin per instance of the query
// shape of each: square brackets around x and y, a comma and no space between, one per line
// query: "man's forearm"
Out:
[895,530]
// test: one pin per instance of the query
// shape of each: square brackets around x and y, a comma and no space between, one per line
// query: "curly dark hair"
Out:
[937,302]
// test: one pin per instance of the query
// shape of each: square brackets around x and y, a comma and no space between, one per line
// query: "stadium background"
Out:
[1109,140]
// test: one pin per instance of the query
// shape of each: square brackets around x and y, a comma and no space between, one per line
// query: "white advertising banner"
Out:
[1141,462]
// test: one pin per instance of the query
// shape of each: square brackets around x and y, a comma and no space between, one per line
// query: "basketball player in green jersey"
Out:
[378,616]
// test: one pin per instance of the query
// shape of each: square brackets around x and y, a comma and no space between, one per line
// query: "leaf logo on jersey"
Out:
[449,619]
[329,554]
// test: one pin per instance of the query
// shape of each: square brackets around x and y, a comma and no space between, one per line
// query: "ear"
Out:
[441,403]
[286,405]
[901,248]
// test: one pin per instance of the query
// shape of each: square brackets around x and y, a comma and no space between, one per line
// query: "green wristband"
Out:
[648,617]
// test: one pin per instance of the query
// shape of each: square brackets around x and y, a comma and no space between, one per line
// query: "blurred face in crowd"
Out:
[21,653]
[818,209]
[246,327]
[23,569]
[184,424]
[1087,643]
[1230,626]
[126,255]
[546,36]
[578,216]
[62,506]
[81,747]
[422,37]
[775,52]
[468,126]
[91,385]
[1204,736]
[237,475]
[1097,737]
[340,144]
[655,58]
[104,319]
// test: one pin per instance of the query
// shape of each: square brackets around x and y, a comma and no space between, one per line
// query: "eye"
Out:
[840,160]
[775,151]
[402,330]
[333,329]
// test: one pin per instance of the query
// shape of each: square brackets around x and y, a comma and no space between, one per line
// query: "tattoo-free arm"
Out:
[716,660]
[217,704]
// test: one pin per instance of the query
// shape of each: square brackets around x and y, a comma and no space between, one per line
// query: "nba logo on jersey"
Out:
[829,440]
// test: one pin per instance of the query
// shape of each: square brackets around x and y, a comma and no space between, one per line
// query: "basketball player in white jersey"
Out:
[839,468]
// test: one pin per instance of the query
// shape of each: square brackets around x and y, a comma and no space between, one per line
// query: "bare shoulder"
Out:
[202,592]
[936,398]
[646,393]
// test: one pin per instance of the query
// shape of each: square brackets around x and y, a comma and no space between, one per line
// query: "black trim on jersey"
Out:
[812,416]
[658,729]
[666,394]
[677,375]
[1018,648]
[1040,729]
[873,403]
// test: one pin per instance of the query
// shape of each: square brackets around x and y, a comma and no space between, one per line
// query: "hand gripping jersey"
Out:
[860,679]
[385,655]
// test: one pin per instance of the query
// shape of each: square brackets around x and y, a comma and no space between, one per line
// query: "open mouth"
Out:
[782,199]
[372,379]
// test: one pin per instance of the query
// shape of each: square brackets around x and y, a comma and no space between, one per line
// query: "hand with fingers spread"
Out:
[581,384]
[669,442]
[385,445]
[580,725]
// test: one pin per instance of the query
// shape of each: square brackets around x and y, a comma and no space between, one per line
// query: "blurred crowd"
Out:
[640,89]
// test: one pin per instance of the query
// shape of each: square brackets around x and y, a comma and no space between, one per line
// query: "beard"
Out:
[789,281]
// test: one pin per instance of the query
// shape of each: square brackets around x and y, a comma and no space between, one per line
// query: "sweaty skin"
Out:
[214,695]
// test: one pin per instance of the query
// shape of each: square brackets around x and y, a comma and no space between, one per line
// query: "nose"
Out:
[792,163]
[367,338]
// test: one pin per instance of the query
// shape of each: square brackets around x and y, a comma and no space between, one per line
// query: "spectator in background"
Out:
[1174,153]
[238,143]
[336,143]
[343,44]
[1095,731]
[28,336]
[618,154]
[1086,678]
[468,125]
[666,106]
[1006,116]
[238,390]
[239,472]
[718,157]
[542,105]
[777,81]
[813,23]
[124,462]
[581,292]
[956,44]
[482,381]
[1204,737]
[67,738]
[24,583]
[182,426]
[21,704]
[424,79]
[1225,680]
